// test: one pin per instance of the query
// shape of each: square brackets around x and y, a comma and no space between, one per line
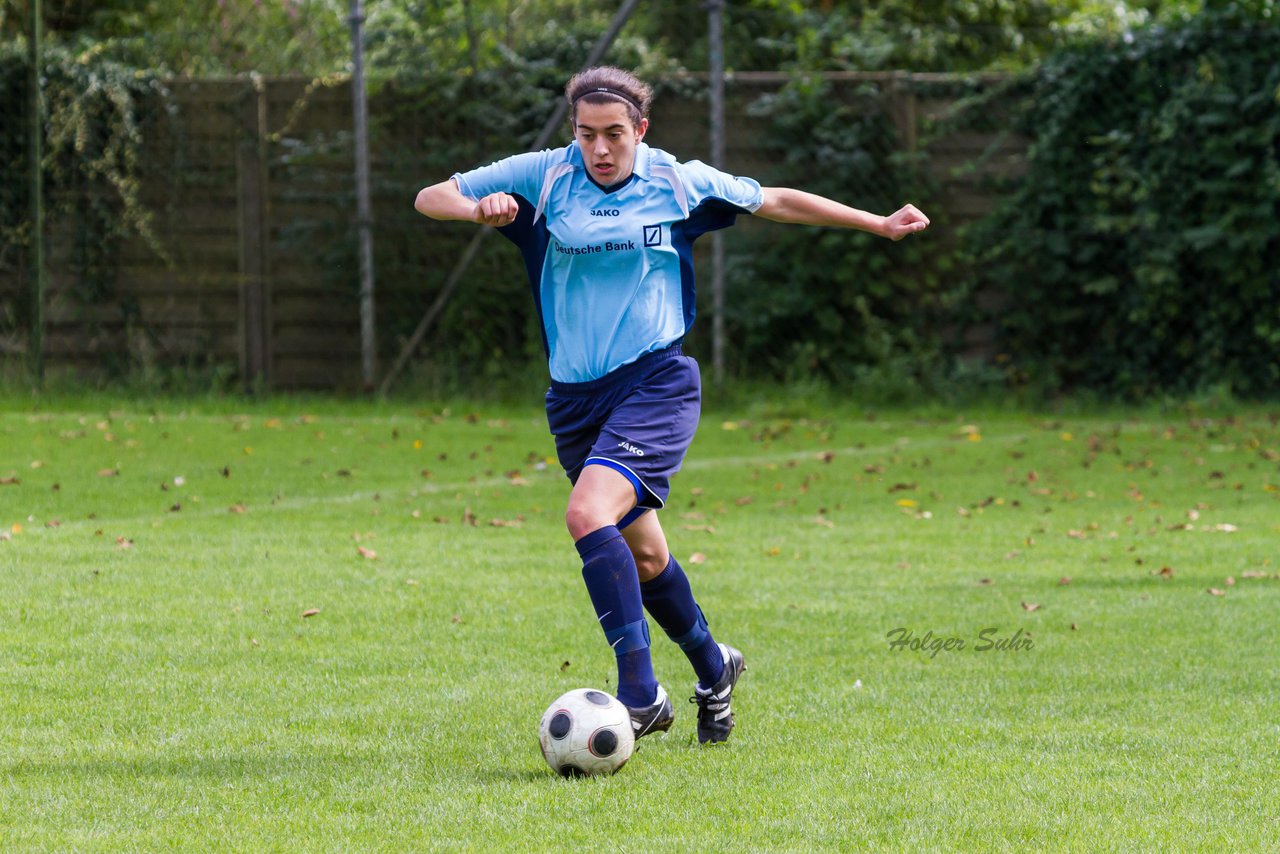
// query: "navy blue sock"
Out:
[609,571]
[670,601]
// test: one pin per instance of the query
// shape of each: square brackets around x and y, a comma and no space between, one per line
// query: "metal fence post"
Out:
[36,118]
[364,217]
[251,191]
[715,34]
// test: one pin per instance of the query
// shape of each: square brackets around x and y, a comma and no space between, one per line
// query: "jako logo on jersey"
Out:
[606,212]
[632,448]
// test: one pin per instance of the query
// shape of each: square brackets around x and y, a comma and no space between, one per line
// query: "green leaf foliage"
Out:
[1141,252]
[97,113]
[833,303]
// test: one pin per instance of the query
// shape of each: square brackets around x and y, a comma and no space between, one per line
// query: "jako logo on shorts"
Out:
[632,448]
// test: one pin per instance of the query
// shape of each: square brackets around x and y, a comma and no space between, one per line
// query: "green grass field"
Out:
[162,685]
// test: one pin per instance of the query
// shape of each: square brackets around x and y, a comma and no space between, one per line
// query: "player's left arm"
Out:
[783,204]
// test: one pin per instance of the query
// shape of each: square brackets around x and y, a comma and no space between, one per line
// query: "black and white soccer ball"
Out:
[586,732]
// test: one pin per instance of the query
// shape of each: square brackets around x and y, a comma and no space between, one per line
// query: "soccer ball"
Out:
[586,732]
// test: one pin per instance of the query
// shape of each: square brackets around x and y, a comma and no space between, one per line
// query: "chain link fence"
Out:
[228,255]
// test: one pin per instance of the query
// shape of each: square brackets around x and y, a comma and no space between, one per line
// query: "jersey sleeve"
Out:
[703,182]
[520,175]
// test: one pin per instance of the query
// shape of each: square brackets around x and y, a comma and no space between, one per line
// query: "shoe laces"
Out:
[709,702]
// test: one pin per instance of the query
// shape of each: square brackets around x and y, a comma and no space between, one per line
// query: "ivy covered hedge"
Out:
[1141,252]
[826,303]
[97,114]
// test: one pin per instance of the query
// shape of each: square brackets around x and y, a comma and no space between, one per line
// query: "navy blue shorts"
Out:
[638,420]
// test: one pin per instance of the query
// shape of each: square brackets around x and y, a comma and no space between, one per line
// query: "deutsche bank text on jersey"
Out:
[608,246]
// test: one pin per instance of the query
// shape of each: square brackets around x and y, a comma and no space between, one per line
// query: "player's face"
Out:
[608,140]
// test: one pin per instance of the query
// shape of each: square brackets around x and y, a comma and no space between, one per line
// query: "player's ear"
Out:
[641,128]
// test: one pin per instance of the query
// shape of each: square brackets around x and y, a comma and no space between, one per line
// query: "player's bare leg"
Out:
[648,544]
[602,496]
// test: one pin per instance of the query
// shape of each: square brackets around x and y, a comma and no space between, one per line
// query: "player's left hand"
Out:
[906,220]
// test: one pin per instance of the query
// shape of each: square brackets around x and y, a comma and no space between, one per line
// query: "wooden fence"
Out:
[246,287]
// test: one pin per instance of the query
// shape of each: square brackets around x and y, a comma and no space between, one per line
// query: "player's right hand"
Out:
[497,210]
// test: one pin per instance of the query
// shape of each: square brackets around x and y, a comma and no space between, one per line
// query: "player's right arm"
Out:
[444,201]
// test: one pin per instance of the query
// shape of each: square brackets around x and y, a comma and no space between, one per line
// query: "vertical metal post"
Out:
[36,166]
[364,216]
[715,33]
[256,344]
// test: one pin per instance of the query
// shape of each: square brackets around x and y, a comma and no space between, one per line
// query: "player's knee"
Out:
[649,566]
[651,560]
[581,519]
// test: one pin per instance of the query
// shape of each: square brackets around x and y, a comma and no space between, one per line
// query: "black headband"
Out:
[605,90]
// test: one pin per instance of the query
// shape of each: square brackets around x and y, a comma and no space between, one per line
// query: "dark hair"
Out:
[606,84]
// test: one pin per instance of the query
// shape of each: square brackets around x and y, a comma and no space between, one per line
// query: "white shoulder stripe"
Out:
[669,175]
[553,174]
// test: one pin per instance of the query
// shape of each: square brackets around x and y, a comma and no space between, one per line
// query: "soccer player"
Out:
[606,226]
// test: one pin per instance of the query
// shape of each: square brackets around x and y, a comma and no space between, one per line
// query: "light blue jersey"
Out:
[611,269]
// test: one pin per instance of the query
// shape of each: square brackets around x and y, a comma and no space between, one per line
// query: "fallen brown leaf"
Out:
[367,554]
[1213,591]
[1030,606]
[310,612]
[468,518]
[1064,581]
[236,508]
[109,473]
[1166,572]
[697,558]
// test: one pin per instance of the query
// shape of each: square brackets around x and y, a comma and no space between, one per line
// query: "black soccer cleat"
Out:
[715,720]
[657,717]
